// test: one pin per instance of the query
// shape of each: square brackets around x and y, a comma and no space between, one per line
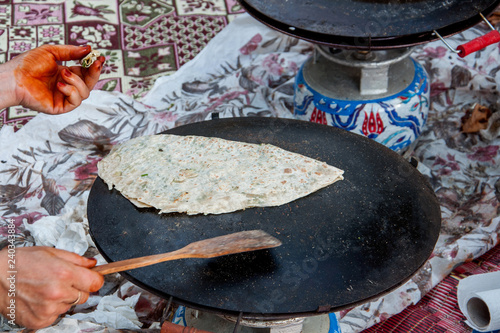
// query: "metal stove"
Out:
[383,94]
[206,321]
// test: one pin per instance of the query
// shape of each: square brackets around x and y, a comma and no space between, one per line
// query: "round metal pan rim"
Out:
[254,315]
[418,30]
[367,244]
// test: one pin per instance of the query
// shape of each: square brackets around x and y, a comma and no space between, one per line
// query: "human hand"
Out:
[41,84]
[47,283]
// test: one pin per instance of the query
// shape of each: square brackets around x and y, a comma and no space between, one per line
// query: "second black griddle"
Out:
[369,24]
[343,245]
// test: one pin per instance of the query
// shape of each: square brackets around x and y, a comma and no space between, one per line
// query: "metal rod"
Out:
[487,22]
[165,311]
[446,43]
[453,49]
[315,55]
[237,326]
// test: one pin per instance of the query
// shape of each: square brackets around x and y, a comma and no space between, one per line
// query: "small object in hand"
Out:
[89,59]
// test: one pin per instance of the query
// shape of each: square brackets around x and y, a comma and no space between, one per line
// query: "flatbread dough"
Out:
[203,175]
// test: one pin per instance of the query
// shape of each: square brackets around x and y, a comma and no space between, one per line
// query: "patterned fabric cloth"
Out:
[142,40]
[438,310]
[48,166]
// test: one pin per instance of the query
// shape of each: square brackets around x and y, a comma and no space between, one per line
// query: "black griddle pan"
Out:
[343,245]
[369,24]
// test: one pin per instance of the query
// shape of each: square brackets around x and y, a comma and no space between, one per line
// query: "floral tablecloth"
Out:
[141,39]
[48,166]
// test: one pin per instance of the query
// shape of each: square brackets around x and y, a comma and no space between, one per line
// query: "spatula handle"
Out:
[238,242]
[124,265]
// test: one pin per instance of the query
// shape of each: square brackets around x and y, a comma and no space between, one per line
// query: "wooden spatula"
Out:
[209,248]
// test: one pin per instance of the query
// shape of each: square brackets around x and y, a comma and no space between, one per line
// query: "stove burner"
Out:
[383,94]
[369,71]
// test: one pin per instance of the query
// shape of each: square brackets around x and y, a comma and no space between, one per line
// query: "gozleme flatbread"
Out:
[194,174]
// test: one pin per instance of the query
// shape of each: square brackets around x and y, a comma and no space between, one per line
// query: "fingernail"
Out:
[61,84]
[93,261]
[66,72]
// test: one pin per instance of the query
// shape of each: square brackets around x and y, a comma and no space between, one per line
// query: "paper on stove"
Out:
[65,232]
[114,312]
[479,300]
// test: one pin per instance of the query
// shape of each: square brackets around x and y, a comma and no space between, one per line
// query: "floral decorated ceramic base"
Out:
[394,121]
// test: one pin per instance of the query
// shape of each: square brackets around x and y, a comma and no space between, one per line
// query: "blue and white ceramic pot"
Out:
[383,95]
